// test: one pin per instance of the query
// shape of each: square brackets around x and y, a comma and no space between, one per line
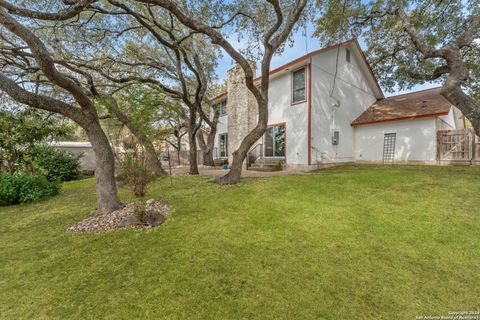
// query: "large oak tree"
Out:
[30,75]
[157,50]
[413,42]
[267,23]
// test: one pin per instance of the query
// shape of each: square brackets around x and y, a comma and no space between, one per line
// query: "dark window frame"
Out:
[304,69]
[274,127]
[223,152]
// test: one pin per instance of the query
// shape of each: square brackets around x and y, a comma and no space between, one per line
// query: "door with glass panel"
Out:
[274,141]
[223,145]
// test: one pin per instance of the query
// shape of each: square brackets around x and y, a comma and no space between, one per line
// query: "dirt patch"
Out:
[150,213]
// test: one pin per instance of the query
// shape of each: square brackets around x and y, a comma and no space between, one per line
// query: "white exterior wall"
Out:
[459,118]
[415,141]
[353,93]
[351,89]
[447,122]
[87,161]
[280,110]
[295,117]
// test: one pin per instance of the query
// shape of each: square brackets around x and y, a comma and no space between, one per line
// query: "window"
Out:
[223,145]
[274,141]
[299,93]
[347,55]
[222,107]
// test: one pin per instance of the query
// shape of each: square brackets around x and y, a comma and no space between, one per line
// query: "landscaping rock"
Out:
[130,221]
[155,219]
[155,214]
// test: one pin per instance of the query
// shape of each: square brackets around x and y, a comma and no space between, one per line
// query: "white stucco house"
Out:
[327,107]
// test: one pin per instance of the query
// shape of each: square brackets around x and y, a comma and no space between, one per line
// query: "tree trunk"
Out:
[106,188]
[469,107]
[201,141]
[207,149]
[153,163]
[208,158]
[210,146]
[192,140]
[11,167]
[192,155]
[452,89]
[239,155]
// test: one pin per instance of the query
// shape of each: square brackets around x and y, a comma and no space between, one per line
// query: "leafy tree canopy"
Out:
[21,130]
[396,60]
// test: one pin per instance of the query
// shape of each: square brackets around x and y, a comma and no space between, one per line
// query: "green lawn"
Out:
[354,242]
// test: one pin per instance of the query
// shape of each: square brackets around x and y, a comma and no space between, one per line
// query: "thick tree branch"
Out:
[63,14]
[45,61]
[470,32]
[214,35]
[33,100]
[437,73]
[415,36]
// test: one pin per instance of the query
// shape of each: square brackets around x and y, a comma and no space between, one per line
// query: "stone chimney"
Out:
[241,106]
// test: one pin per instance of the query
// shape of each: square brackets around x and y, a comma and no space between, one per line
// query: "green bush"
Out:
[139,212]
[55,164]
[23,187]
[135,174]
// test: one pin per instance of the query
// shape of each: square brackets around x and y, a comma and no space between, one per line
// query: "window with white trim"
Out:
[223,145]
[222,107]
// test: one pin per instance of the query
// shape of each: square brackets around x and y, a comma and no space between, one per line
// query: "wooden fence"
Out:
[458,147]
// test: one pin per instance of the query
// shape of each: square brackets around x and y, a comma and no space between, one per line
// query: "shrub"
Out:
[23,187]
[139,212]
[55,164]
[137,176]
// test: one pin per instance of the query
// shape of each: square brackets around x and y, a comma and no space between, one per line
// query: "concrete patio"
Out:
[217,172]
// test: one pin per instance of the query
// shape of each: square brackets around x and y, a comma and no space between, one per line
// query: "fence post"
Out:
[473,147]
[439,146]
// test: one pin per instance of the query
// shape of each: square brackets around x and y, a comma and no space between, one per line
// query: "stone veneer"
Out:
[241,108]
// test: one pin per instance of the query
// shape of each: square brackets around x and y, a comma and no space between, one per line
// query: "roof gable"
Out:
[353,43]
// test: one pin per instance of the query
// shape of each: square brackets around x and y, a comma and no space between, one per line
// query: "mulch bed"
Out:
[155,212]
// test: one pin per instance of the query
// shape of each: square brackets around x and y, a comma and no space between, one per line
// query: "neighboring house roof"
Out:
[420,104]
[71,144]
[352,42]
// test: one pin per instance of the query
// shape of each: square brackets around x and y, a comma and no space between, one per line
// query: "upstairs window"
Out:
[222,107]
[347,55]
[299,84]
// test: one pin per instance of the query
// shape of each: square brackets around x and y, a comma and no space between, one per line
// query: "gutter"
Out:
[432,115]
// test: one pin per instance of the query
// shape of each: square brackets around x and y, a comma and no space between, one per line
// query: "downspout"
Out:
[309,106]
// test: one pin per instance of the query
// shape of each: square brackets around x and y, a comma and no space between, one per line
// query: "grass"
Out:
[354,242]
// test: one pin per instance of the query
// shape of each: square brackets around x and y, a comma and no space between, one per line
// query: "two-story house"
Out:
[327,107]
